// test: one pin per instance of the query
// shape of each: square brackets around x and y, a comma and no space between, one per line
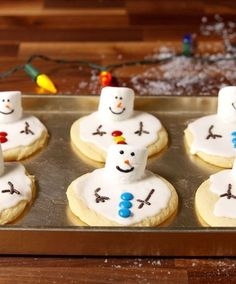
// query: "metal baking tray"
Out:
[49,228]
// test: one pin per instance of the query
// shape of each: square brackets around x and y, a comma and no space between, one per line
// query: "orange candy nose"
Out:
[119,105]
[7,106]
[127,162]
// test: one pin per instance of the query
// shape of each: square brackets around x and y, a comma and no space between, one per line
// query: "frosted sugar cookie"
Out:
[209,137]
[20,135]
[215,199]
[16,190]
[123,193]
[114,120]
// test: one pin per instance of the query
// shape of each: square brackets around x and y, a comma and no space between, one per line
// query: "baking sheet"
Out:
[48,226]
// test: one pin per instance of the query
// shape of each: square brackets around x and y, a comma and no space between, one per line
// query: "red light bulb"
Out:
[105,78]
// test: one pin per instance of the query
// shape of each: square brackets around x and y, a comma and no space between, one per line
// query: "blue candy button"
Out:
[124,213]
[125,204]
[233,133]
[127,196]
[234,140]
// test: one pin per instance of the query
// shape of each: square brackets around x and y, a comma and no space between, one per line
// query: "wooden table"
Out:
[103,32]
[114,270]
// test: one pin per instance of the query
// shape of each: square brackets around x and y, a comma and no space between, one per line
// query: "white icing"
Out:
[219,183]
[89,124]
[116,103]
[15,173]
[10,106]
[16,138]
[227,104]
[126,157]
[140,189]
[218,147]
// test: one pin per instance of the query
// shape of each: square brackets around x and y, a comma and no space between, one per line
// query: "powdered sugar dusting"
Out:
[180,75]
[192,75]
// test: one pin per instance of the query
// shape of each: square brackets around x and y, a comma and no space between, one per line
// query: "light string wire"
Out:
[110,67]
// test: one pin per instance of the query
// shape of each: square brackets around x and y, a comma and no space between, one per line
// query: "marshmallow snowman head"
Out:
[227,104]
[10,106]
[116,103]
[125,163]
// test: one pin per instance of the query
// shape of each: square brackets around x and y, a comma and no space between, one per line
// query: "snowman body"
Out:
[18,131]
[104,196]
[93,129]
[16,189]
[123,192]
[22,132]
[210,136]
[15,186]
[224,185]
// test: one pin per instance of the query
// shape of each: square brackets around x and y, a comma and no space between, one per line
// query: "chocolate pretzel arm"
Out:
[146,200]
[100,198]
[12,190]
[27,129]
[228,194]
[141,131]
[211,135]
[98,132]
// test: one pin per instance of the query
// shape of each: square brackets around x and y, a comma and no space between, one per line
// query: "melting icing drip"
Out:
[98,132]
[100,198]
[27,130]
[211,135]
[141,131]
[228,194]
[12,190]
[146,200]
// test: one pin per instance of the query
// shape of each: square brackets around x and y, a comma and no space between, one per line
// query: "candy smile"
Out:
[125,171]
[7,112]
[117,112]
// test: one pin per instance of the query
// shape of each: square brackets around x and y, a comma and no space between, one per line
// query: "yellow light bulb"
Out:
[44,82]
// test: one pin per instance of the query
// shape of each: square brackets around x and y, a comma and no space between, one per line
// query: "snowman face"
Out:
[10,106]
[227,104]
[116,103]
[125,163]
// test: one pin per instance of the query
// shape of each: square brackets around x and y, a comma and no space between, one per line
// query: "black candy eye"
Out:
[3,100]
[8,100]
[132,154]
[116,97]
[121,152]
[121,98]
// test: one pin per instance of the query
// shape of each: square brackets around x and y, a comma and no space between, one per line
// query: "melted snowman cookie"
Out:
[216,199]
[16,190]
[123,193]
[93,134]
[20,135]
[209,137]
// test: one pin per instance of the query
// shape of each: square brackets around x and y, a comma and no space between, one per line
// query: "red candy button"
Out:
[3,137]
[121,142]
[116,133]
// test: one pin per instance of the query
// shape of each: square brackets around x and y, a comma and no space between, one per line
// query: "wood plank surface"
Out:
[113,270]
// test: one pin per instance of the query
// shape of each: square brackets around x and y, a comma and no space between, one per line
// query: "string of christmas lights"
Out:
[105,76]
[43,81]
